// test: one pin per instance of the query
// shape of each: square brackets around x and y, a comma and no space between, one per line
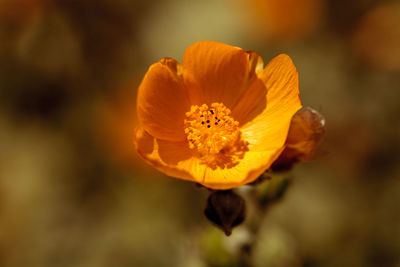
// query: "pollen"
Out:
[210,129]
[214,135]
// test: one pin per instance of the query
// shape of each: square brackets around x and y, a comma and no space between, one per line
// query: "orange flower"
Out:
[220,119]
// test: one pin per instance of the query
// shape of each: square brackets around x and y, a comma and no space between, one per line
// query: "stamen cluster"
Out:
[210,130]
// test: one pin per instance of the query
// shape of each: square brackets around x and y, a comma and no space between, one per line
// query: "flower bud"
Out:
[306,132]
[225,209]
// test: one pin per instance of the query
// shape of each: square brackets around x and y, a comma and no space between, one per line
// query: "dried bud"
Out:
[306,132]
[225,209]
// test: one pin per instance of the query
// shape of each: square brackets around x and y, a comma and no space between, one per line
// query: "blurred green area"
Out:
[74,193]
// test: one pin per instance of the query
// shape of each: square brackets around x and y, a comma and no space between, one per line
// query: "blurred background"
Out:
[74,193]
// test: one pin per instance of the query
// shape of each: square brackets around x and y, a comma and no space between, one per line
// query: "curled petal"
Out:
[268,130]
[162,101]
[253,100]
[256,64]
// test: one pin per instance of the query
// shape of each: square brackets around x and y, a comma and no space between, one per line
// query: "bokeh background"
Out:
[74,193]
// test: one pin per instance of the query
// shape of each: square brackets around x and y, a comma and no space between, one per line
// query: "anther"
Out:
[211,142]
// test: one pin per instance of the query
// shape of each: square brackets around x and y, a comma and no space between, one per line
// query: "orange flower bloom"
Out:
[220,119]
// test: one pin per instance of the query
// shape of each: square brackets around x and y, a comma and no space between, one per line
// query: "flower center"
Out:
[214,134]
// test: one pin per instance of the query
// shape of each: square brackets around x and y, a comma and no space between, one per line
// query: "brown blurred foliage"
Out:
[376,40]
[286,20]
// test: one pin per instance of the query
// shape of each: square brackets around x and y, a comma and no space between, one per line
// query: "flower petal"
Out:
[162,101]
[269,129]
[248,170]
[252,103]
[176,160]
[164,155]
[215,72]
[253,100]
